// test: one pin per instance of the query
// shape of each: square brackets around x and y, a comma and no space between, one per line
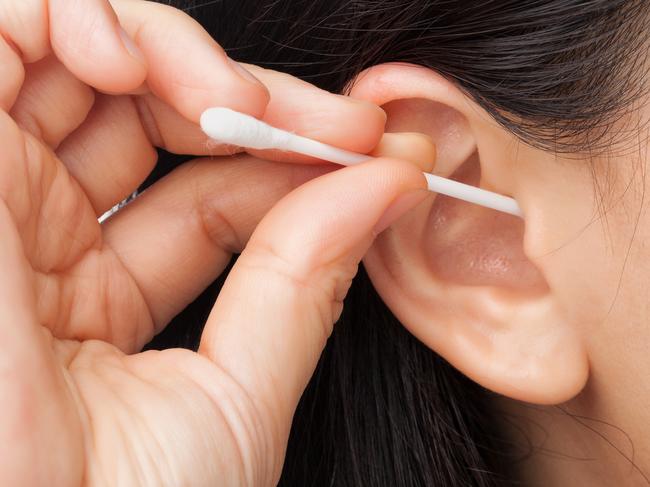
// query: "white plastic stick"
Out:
[234,128]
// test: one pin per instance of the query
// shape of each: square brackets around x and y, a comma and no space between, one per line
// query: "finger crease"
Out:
[218,228]
[12,45]
[148,121]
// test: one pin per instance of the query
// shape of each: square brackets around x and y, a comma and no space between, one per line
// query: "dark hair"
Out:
[382,409]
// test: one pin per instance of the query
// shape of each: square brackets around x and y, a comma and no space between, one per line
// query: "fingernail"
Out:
[397,208]
[243,72]
[131,46]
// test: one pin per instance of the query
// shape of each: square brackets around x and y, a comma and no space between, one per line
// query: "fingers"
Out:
[186,70]
[186,67]
[31,44]
[171,131]
[18,326]
[32,391]
[180,62]
[182,65]
[121,156]
[179,235]
[12,75]
[295,105]
[408,146]
[304,109]
[277,307]
[110,154]
[52,101]
[86,36]
[175,40]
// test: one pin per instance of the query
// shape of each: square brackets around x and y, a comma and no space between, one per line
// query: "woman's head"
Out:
[544,100]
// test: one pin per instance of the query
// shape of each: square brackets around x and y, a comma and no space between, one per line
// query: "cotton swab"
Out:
[230,127]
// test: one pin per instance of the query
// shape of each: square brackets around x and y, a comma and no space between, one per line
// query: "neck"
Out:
[601,438]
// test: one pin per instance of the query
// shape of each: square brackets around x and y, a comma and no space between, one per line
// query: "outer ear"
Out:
[457,275]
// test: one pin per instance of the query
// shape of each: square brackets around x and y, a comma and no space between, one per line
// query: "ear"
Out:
[460,277]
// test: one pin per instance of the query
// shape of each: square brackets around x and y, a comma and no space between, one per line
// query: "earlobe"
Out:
[456,275]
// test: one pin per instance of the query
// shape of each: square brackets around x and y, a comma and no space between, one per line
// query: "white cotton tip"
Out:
[230,127]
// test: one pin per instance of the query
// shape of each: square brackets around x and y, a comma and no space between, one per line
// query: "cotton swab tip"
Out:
[230,127]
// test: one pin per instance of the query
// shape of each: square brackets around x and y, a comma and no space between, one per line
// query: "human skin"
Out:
[549,310]
[79,300]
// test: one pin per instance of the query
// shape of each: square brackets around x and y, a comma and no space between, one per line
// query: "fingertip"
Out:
[186,67]
[338,120]
[220,85]
[374,122]
[91,44]
[130,45]
[416,148]
[347,202]
[208,80]
[403,173]
[344,122]
[230,85]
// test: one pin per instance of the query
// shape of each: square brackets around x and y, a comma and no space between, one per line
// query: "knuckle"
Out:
[143,107]
[266,257]
[250,425]
[12,75]
[217,226]
[24,25]
[320,287]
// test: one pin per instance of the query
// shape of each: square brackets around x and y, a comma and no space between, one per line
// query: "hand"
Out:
[79,300]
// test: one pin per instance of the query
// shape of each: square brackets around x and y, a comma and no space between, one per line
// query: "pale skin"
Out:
[79,300]
[549,311]
[553,313]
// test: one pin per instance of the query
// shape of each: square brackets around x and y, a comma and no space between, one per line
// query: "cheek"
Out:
[603,274]
[582,275]
[581,232]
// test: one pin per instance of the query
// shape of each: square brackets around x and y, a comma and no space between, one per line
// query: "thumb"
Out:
[87,37]
[277,307]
